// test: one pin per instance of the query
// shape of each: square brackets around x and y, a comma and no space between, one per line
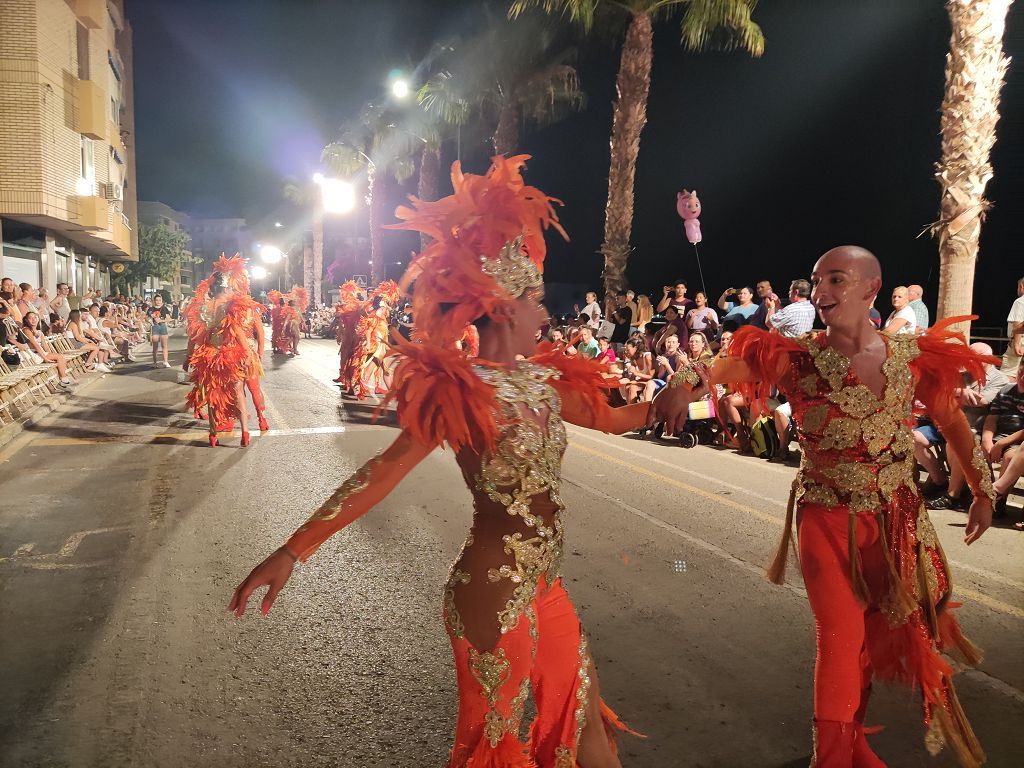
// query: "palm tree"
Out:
[375,143]
[312,257]
[975,68]
[506,76]
[705,24]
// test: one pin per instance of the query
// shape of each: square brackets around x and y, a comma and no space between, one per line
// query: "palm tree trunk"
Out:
[318,251]
[377,270]
[628,119]
[506,135]
[975,68]
[429,182]
[307,265]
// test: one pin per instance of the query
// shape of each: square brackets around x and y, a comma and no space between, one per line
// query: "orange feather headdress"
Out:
[388,291]
[487,248]
[231,273]
[301,297]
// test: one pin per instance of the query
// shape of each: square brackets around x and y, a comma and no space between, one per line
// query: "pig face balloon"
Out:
[688,204]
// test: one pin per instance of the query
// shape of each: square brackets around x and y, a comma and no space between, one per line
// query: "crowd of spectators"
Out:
[645,343]
[43,333]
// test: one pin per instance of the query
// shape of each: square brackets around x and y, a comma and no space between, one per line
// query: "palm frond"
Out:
[580,12]
[722,25]
[439,96]
[342,158]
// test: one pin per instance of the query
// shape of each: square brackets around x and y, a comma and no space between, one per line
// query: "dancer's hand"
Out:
[979,518]
[273,573]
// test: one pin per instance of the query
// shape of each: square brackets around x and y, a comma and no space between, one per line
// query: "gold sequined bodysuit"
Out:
[517,509]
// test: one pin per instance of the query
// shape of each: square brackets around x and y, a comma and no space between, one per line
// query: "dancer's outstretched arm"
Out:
[672,402]
[576,410]
[354,498]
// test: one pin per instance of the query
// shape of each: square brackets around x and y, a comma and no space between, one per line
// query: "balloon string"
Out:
[700,270]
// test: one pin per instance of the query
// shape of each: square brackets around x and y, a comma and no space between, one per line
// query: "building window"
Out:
[83,52]
[87,181]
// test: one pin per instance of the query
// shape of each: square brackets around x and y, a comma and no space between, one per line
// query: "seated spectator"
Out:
[11,336]
[1001,438]
[637,370]
[902,319]
[738,312]
[797,318]
[56,325]
[665,364]
[701,317]
[587,346]
[556,335]
[732,404]
[96,360]
[605,354]
[37,340]
[769,301]
[96,331]
[1014,321]
[27,303]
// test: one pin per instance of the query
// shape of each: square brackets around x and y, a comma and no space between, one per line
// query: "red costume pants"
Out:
[545,651]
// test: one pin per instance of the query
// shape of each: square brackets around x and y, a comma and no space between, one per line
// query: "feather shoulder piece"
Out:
[440,399]
[944,354]
[586,378]
[762,352]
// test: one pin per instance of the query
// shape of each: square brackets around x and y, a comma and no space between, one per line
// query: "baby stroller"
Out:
[702,425]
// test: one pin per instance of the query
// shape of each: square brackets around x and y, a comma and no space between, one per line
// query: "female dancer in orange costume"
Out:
[347,312]
[370,374]
[219,353]
[876,577]
[506,610]
[277,302]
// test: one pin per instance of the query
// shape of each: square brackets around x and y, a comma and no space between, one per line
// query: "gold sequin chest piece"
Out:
[858,449]
[525,462]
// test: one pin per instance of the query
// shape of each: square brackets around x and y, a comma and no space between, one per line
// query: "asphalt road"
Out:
[122,535]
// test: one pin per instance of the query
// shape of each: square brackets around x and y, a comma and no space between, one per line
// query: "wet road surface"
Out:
[122,535]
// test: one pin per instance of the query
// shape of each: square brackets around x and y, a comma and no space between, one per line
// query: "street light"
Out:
[278,225]
[338,196]
[270,254]
[259,273]
[400,89]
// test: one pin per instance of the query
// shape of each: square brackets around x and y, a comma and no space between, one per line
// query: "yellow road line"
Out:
[194,436]
[989,602]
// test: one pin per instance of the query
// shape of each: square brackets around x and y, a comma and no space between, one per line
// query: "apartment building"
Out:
[212,237]
[67,144]
[155,214]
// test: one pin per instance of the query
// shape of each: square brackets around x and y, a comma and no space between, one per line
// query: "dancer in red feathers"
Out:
[220,353]
[506,610]
[876,577]
[347,311]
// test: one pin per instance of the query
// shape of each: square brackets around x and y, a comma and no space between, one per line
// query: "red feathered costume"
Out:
[366,372]
[346,313]
[511,623]
[221,343]
[876,577]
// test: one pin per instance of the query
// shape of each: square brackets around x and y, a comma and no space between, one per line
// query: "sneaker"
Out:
[68,382]
[132,358]
[932,490]
[944,501]
[999,508]
[166,364]
[103,368]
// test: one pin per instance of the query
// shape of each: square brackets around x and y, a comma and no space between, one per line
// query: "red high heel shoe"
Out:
[213,440]
[245,439]
[264,426]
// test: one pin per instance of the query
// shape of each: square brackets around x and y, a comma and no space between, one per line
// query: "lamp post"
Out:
[271,254]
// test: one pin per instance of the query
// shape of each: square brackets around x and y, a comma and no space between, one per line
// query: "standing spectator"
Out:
[797,318]
[701,317]
[737,312]
[60,303]
[592,310]
[645,313]
[902,319]
[675,296]
[769,300]
[622,317]
[674,325]
[159,314]
[1012,357]
[631,303]
[916,294]
[875,316]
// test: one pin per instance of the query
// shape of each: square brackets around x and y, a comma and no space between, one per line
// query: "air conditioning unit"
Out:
[113,191]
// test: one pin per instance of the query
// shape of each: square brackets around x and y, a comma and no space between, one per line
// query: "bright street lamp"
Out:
[337,196]
[270,255]
[259,273]
[278,225]
[400,89]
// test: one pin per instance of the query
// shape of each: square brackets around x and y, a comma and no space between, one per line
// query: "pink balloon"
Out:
[688,208]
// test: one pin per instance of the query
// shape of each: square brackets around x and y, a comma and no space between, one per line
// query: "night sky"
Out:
[829,138]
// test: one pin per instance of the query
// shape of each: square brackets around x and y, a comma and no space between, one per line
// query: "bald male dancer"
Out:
[874,571]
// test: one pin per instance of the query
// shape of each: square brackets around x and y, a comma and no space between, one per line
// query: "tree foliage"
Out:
[162,252]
